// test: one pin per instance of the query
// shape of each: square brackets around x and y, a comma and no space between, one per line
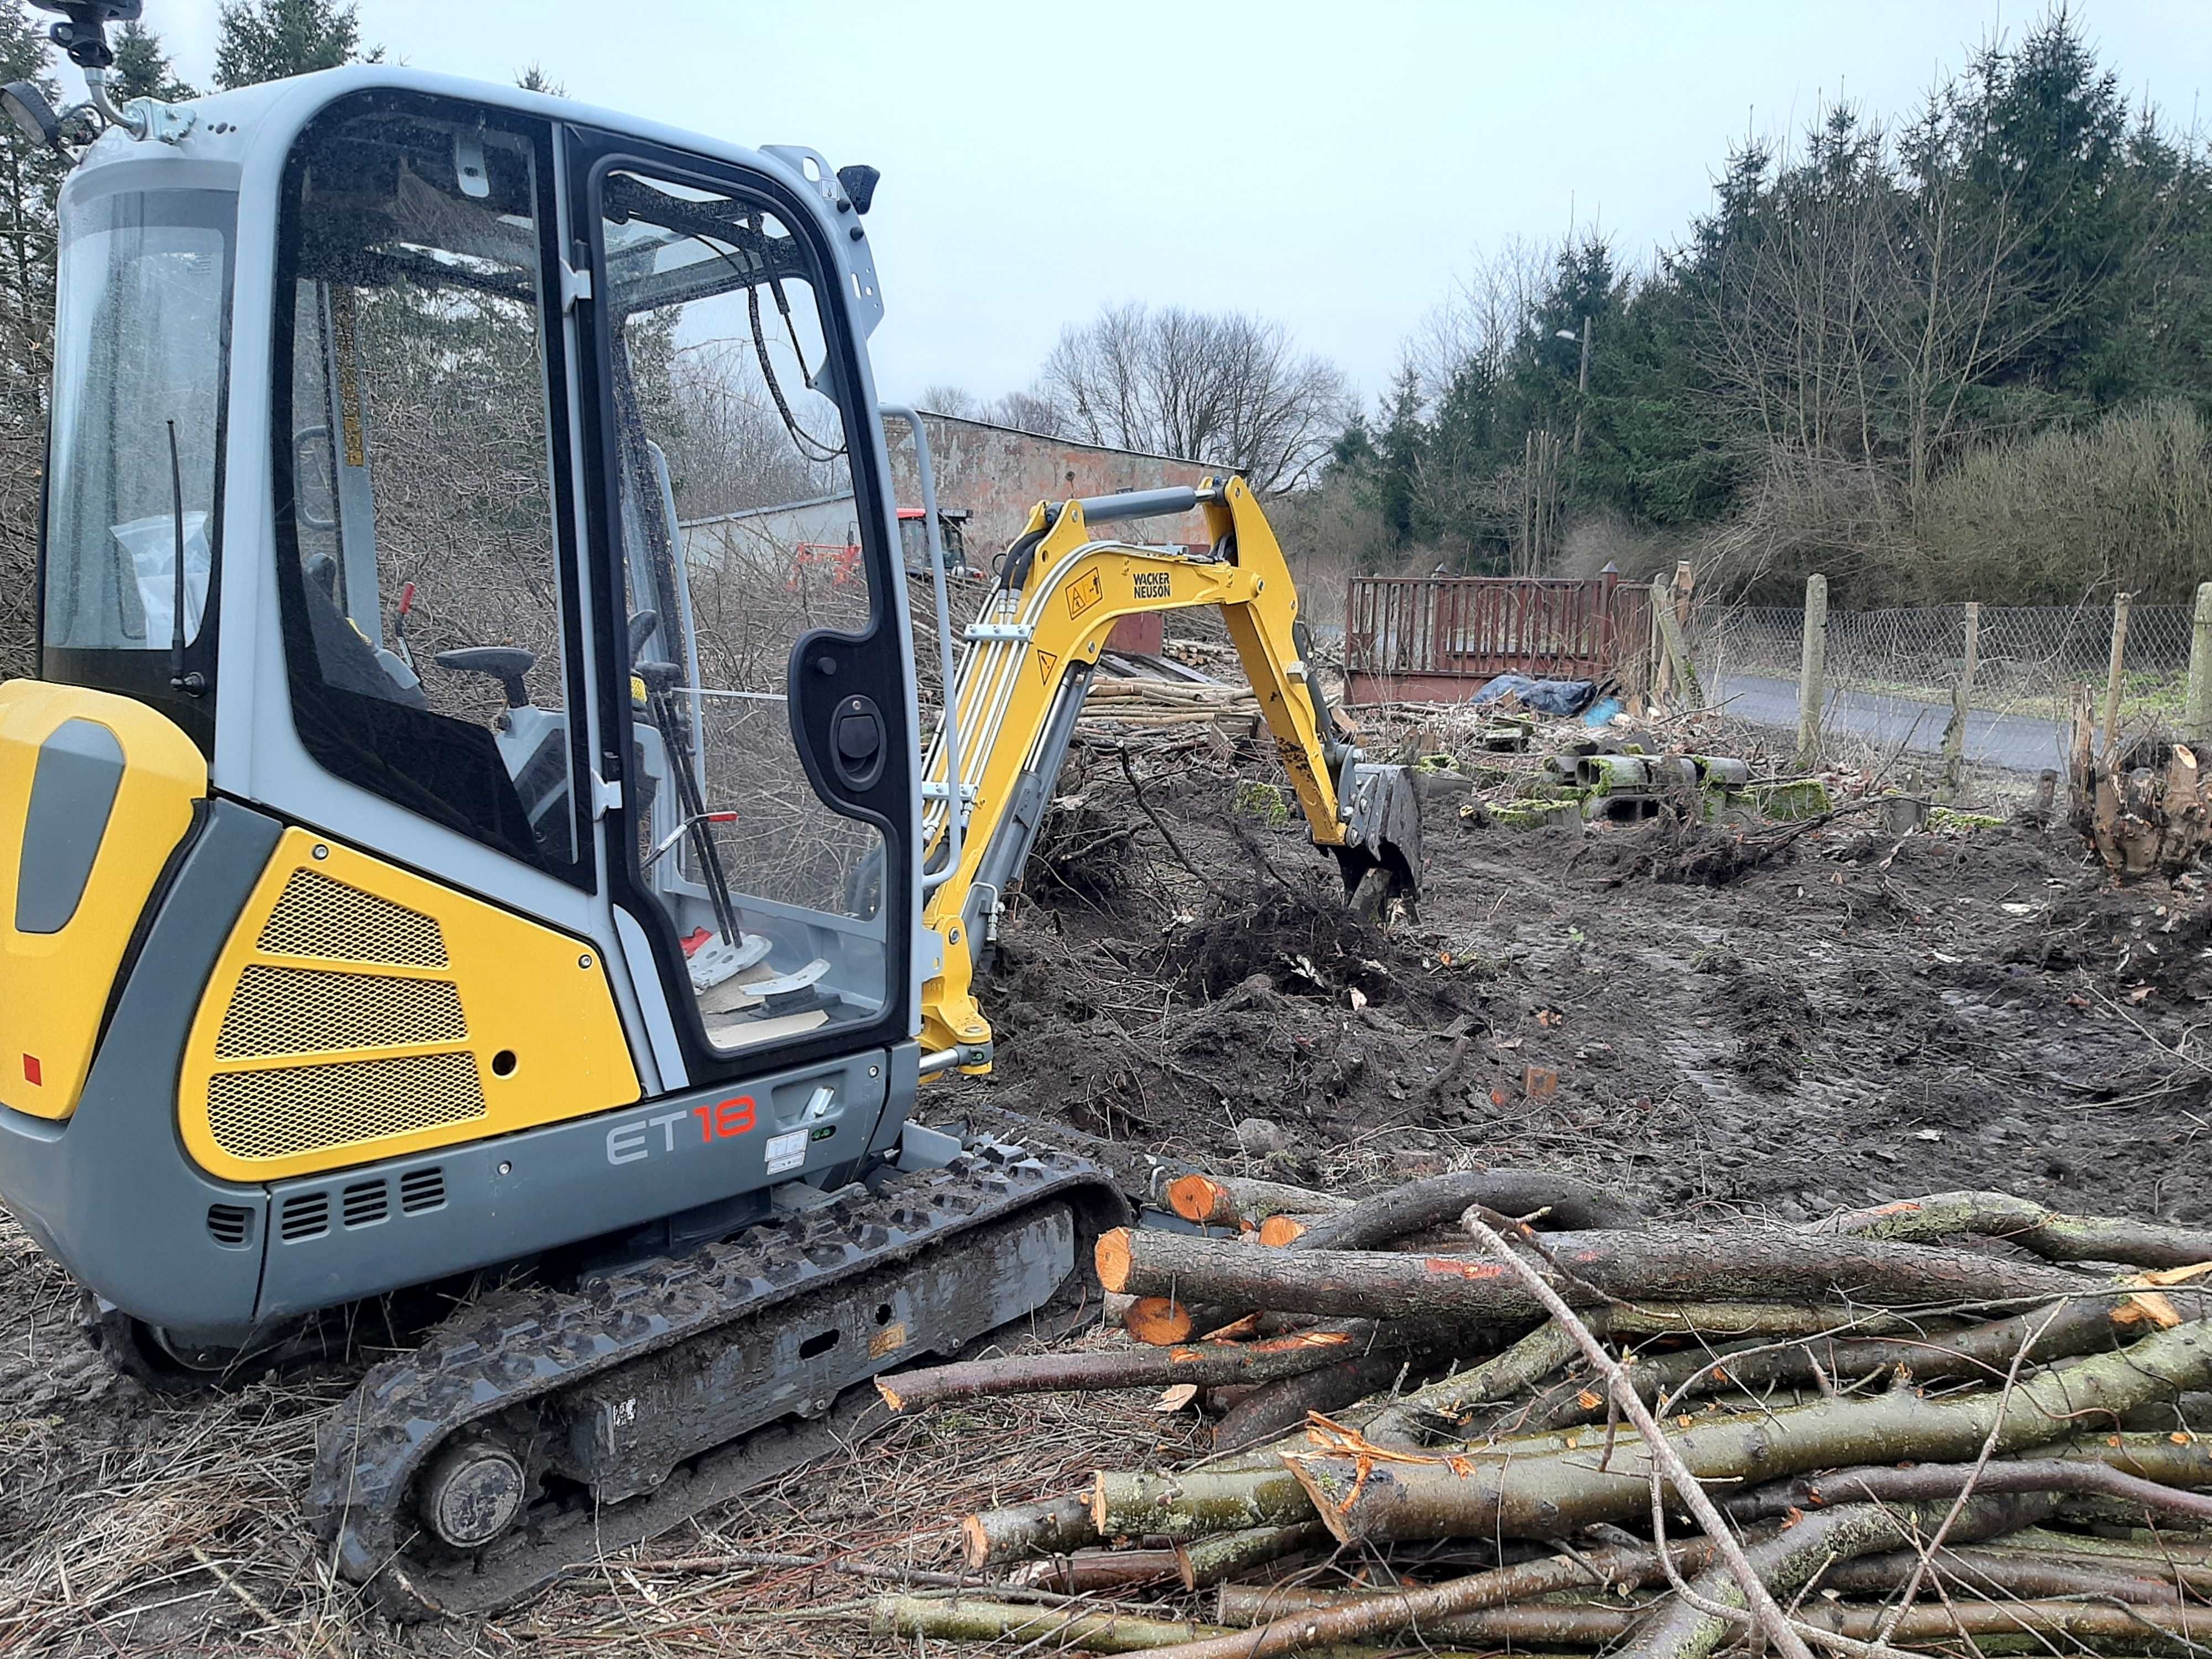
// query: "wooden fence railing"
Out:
[1438,639]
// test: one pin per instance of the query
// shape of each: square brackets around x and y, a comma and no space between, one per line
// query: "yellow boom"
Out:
[1022,681]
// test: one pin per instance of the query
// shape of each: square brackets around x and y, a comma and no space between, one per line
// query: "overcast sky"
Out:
[1331,165]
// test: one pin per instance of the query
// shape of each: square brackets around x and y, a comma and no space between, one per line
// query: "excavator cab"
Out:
[380,404]
[422,853]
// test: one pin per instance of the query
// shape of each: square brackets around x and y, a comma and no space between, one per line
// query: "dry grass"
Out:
[141,1526]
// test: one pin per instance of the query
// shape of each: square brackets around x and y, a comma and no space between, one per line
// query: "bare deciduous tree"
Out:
[1224,388]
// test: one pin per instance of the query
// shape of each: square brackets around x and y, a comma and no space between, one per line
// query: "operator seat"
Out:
[342,652]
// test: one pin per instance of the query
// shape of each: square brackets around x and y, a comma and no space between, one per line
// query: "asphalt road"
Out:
[2019,742]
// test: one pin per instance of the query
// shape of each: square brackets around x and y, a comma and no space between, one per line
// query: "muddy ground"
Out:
[1777,1020]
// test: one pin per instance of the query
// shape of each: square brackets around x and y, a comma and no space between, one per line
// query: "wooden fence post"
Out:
[2112,669]
[2197,713]
[1675,651]
[1813,673]
[1659,665]
[1954,735]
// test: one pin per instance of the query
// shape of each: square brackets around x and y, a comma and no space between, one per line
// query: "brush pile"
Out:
[1500,1409]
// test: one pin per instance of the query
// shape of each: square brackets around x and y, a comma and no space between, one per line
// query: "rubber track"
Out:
[517,1347]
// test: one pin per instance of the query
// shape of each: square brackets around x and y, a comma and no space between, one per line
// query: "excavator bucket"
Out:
[1380,855]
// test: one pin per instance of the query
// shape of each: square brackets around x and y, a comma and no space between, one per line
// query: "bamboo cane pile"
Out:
[1501,1409]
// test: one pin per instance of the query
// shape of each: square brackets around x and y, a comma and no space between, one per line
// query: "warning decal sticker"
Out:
[1085,593]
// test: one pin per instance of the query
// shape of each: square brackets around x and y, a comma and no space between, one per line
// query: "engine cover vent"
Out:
[306,1011]
[230,1225]
[316,917]
[294,1108]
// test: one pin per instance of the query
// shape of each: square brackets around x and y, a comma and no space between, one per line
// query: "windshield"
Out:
[141,333]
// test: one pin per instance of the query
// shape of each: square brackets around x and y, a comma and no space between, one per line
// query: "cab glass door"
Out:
[420,426]
[746,566]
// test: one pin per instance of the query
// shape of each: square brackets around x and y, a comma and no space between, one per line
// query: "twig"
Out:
[1137,793]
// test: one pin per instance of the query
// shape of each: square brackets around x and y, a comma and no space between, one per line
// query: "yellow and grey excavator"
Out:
[430,866]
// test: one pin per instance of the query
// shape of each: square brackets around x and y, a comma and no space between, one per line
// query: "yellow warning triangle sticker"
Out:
[1046,663]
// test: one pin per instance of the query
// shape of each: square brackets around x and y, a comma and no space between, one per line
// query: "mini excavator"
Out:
[450,854]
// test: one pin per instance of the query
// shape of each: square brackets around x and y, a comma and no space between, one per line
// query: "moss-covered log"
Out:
[1789,1561]
[1524,1626]
[1055,1525]
[1180,1506]
[1548,1495]
[1205,1562]
[1100,1570]
[2050,1234]
[968,1620]
[1421,1611]
[1988,1573]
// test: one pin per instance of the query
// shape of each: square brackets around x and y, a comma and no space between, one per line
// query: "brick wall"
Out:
[997,474]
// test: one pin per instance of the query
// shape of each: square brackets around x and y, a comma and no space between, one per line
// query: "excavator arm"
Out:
[1030,657]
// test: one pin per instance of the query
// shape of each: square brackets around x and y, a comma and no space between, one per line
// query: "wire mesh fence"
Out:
[1891,675]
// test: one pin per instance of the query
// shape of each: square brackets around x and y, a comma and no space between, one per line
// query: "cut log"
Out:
[2050,1234]
[1564,1202]
[1548,1495]
[1752,1264]
[1423,1610]
[1232,1201]
[1181,1506]
[1524,1628]
[1203,1363]
[1280,1407]
[1888,1484]
[1100,1570]
[1056,1630]
[1159,1320]
[1986,1572]
[1277,1231]
[1205,1562]
[971,1621]
[1451,1404]
[1415,1207]
[1983,1352]
[1056,1526]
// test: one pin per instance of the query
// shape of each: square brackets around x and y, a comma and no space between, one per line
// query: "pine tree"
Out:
[535,79]
[268,40]
[142,69]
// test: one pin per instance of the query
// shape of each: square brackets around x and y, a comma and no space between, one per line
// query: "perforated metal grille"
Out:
[316,917]
[294,1010]
[304,1109]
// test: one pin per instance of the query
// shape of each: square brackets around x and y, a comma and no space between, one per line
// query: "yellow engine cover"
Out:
[359,1013]
[57,969]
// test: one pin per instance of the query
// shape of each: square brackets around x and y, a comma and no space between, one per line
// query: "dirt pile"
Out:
[1788,1017]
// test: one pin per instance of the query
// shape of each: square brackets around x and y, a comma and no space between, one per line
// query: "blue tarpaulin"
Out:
[1539,696]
